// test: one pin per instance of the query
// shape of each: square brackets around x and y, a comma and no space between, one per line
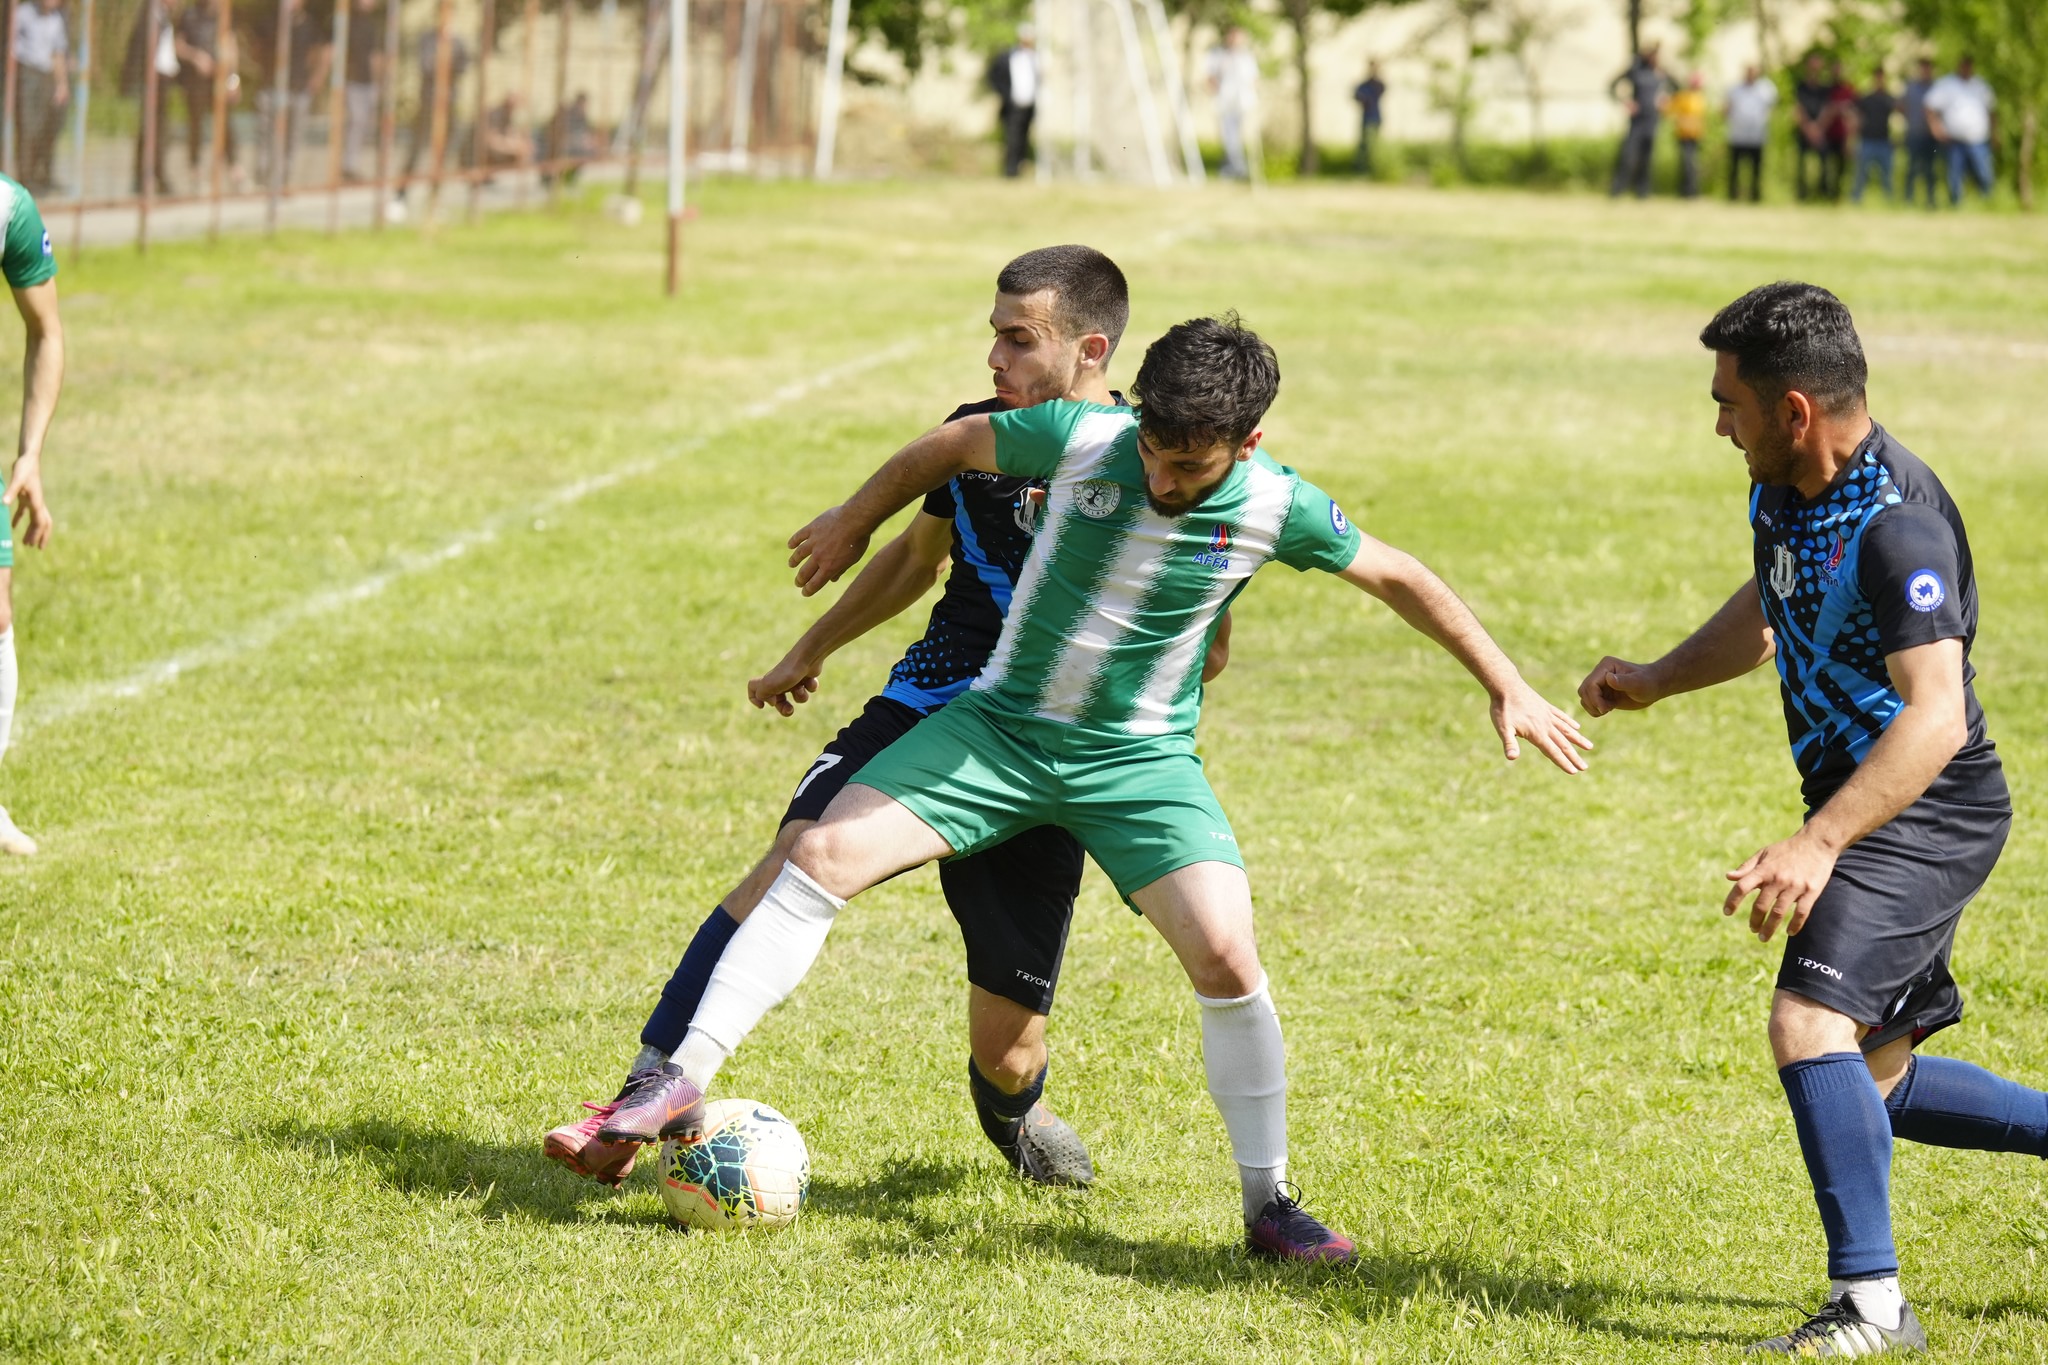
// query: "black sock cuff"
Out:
[1012,1107]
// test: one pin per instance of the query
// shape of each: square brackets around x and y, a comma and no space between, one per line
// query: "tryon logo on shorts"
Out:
[1034,980]
[1337,519]
[1097,498]
[1924,590]
[1823,968]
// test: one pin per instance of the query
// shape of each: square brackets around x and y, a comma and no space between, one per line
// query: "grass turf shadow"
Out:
[1375,1286]
[502,1177]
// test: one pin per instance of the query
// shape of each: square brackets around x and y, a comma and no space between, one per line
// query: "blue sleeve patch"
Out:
[1337,520]
[1925,590]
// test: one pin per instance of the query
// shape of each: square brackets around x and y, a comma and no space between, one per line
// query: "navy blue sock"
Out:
[1948,1103]
[1001,1115]
[685,989]
[1846,1138]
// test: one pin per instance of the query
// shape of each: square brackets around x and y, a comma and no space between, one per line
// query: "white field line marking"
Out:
[70,703]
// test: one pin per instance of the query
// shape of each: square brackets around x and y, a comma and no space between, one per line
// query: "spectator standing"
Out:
[1920,144]
[1234,81]
[1013,74]
[1809,115]
[42,55]
[1688,109]
[307,52]
[1641,90]
[362,73]
[167,57]
[1841,122]
[201,51]
[1959,113]
[423,118]
[1874,109]
[1367,96]
[1748,112]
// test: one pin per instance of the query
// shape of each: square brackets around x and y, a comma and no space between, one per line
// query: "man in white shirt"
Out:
[1959,116]
[42,51]
[1013,74]
[1748,114]
[1234,80]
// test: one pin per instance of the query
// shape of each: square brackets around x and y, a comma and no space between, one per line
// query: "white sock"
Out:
[1247,1064]
[774,948]
[1877,1301]
[10,680]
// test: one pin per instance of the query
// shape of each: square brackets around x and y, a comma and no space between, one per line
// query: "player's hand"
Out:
[1521,713]
[1787,878]
[788,685]
[825,549]
[1617,685]
[24,500]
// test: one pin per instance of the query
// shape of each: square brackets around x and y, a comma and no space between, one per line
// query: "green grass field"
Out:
[332,924]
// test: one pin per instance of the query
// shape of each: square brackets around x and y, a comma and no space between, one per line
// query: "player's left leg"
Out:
[1014,902]
[12,840]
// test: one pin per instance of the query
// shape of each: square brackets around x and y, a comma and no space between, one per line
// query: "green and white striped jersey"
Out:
[1116,605]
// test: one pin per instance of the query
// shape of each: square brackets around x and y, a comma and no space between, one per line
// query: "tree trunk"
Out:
[1635,28]
[1300,13]
[1766,56]
[2030,139]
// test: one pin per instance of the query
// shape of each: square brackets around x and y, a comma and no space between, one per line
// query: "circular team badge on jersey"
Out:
[1098,498]
[1924,590]
[1337,520]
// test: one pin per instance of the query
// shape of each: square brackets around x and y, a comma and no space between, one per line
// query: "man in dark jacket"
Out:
[1641,90]
[1013,74]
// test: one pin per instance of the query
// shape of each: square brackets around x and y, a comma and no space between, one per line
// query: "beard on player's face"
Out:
[1772,458]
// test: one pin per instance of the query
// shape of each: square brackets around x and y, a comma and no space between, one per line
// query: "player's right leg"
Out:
[864,838]
[12,840]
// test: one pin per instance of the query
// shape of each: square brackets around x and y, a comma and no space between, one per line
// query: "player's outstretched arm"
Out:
[1789,876]
[1734,640]
[1427,603]
[41,379]
[900,572]
[835,540]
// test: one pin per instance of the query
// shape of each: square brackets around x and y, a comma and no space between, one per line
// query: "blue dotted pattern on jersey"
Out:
[1837,691]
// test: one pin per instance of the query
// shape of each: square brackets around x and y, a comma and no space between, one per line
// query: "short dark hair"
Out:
[1207,382]
[1088,291]
[1789,335]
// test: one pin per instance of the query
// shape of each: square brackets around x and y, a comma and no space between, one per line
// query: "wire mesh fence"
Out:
[390,107]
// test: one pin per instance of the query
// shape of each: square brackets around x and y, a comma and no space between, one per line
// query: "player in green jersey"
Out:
[31,272]
[1085,715]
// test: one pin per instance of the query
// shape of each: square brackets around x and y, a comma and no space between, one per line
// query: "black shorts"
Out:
[1014,902]
[1876,945]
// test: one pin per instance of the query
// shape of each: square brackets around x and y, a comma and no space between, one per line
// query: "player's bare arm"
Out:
[42,378]
[900,573]
[1734,641]
[1927,732]
[835,540]
[1427,603]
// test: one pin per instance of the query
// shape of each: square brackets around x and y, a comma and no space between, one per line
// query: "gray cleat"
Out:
[1836,1333]
[1050,1152]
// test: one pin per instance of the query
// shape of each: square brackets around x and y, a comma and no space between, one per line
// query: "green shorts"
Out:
[978,774]
[6,537]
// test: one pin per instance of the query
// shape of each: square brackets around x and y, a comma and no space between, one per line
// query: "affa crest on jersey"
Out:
[1784,571]
[1217,556]
[1925,590]
[1098,498]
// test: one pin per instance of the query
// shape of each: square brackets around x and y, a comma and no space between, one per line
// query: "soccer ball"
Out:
[749,1169]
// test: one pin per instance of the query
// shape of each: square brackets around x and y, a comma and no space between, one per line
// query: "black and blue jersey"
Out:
[1877,563]
[994,517]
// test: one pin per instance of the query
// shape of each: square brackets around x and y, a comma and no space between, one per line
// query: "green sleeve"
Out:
[1031,441]
[1317,535]
[26,259]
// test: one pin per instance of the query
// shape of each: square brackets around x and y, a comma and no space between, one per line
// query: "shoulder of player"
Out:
[984,407]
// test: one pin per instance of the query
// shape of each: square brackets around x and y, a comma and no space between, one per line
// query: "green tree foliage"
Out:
[1301,16]
[2009,41]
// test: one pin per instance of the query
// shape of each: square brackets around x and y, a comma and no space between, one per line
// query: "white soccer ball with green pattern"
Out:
[749,1169]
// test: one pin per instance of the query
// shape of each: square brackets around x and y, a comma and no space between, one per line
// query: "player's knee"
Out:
[820,851]
[1226,972]
[1011,1064]
[1801,1028]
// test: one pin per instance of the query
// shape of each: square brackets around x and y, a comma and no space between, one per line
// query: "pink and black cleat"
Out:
[654,1105]
[577,1146]
[1285,1231]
